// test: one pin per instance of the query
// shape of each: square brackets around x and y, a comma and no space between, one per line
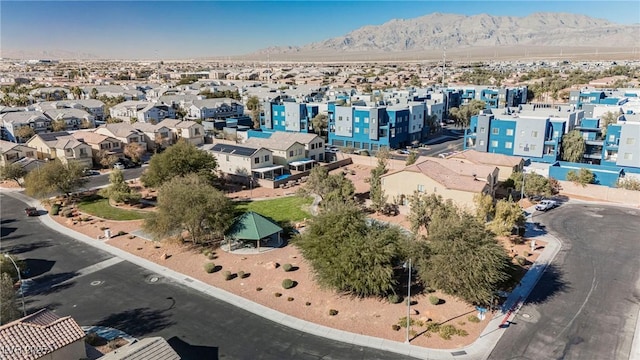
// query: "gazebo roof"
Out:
[252,226]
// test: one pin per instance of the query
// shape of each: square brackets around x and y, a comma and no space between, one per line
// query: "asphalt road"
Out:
[102,180]
[132,299]
[450,139]
[586,304]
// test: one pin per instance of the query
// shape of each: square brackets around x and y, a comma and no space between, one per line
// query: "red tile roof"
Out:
[37,334]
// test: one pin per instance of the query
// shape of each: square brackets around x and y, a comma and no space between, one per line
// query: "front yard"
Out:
[283,209]
[100,207]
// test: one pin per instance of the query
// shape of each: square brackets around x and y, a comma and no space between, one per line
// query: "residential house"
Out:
[241,162]
[190,131]
[288,153]
[63,146]
[505,163]
[156,136]
[142,111]
[219,108]
[92,106]
[451,179]
[43,335]
[12,152]
[13,121]
[155,348]
[74,119]
[99,142]
[313,144]
[124,132]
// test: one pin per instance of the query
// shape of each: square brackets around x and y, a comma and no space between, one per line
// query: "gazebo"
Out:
[252,226]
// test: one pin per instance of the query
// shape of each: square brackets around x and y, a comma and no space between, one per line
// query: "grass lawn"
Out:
[283,209]
[100,207]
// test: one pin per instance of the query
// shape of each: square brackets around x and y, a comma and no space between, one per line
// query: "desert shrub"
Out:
[521,260]
[103,228]
[287,283]
[212,256]
[333,312]
[412,333]
[67,213]
[289,298]
[241,274]
[55,209]
[120,233]
[432,326]
[394,298]
[473,319]
[277,294]
[287,267]
[395,327]
[434,300]
[209,267]
[526,253]
[258,288]
[447,331]
[403,322]
[206,252]
[227,275]
[462,332]
[307,303]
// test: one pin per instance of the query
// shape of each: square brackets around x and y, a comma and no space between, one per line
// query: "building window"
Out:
[227,157]
[508,145]
[196,131]
[495,131]
[275,113]
[631,141]
[339,118]
[256,160]
[509,132]
[366,130]
[266,158]
[29,153]
[532,147]
[291,153]
[612,138]
[420,188]
[628,156]
[522,133]
[556,134]
[534,134]
[366,120]
[481,130]
[357,130]
[357,119]
[481,143]
[494,143]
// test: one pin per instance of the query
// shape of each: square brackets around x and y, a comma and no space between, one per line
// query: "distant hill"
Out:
[456,32]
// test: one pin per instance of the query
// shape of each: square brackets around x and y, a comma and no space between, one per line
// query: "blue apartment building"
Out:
[495,97]
[533,135]
[287,116]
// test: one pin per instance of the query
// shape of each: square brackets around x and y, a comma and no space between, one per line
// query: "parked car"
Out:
[118,166]
[31,211]
[90,172]
[403,152]
[545,205]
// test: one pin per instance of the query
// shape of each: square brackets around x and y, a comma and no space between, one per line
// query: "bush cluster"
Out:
[209,267]
[333,312]
[434,300]
[227,275]
[288,283]
[287,267]
[394,298]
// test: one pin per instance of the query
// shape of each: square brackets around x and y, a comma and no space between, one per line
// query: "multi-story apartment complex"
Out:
[282,115]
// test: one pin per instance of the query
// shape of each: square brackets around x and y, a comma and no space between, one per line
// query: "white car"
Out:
[118,166]
[545,205]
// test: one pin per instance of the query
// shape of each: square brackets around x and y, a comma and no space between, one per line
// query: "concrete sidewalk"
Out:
[480,349]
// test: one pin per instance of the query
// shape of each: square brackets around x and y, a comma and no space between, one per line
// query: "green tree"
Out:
[348,254]
[253,105]
[573,147]
[134,151]
[465,259]
[9,310]
[330,188]
[582,177]
[628,183]
[423,207]
[118,190]
[376,193]
[190,204]
[411,159]
[462,115]
[485,209]
[534,184]
[320,123]
[58,125]
[179,160]
[24,133]
[94,93]
[507,215]
[607,119]
[432,122]
[105,158]
[55,177]
[12,171]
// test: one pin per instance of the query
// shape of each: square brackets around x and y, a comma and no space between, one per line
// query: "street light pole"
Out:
[408,303]
[24,311]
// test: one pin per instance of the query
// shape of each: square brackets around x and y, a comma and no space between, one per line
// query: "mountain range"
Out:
[438,31]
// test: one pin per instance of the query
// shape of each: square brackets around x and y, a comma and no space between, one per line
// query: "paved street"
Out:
[102,180]
[96,289]
[450,139]
[586,304]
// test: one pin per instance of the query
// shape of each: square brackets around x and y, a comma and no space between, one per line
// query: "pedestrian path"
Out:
[480,349]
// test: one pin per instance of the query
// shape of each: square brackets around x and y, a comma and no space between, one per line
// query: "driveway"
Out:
[586,304]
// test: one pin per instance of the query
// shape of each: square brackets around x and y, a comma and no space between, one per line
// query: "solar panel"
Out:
[234,149]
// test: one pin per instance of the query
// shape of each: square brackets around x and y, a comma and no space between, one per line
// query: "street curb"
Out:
[479,349]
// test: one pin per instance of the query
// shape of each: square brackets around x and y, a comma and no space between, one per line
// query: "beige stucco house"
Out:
[156,136]
[12,152]
[285,151]
[244,161]
[45,335]
[505,163]
[313,144]
[190,131]
[124,132]
[99,142]
[450,179]
[61,145]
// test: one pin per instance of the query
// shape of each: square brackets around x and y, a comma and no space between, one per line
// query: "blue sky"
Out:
[184,29]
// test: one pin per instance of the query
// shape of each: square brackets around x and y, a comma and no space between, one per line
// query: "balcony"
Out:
[593,155]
